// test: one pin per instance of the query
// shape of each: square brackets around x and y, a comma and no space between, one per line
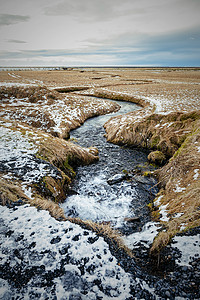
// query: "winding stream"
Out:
[102,192]
[43,258]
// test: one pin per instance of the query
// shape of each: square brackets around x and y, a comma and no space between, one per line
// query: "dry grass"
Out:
[64,154]
[165,133]
[181,191]
[60,153]
[33,93]
[53,208]
[104,230]
[52,112]
[10,191]
[109,76]
[69,89]
[104,94]
[175,134]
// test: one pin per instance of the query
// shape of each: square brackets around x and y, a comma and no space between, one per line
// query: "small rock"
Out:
[55,240]
[132,220]
[76,237]
[116,178]
[167,294]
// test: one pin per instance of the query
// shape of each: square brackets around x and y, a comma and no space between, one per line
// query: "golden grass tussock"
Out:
[104,230]
[165,133]
[32,93]
[180,179]
[54,189]
[64,154]
[11,191]
[106,94]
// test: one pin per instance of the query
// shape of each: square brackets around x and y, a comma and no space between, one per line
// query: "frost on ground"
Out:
[46,259]
[170,126]
[41,256]
[48,110]
[35,166]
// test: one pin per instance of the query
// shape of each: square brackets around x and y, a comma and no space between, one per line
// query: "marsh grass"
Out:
[100,93]
[177,136]
[32,93]
[177,141]
[104,230]
[181,191]
[69,89]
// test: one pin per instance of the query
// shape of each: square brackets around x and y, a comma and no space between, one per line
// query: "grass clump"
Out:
[157,158]
[112,236]
[12,193]
[180,179]
[32,93]
[70,89]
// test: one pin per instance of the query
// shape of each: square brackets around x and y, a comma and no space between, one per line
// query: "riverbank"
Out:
[37,168]
[36,160]
[168,123]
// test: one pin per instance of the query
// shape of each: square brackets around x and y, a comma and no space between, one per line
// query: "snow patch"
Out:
[189,246]
[89,261]
[179,189]
[157,202]
[196,174]
[163,212]
[145,236]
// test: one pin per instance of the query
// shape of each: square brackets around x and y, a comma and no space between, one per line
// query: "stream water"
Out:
[102,191]
[43,258]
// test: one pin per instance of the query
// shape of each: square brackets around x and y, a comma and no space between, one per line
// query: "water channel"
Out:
[110,190]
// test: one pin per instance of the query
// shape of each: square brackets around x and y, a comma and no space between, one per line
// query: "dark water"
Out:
[100,201]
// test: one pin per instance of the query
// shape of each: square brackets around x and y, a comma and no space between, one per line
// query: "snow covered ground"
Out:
[42,257]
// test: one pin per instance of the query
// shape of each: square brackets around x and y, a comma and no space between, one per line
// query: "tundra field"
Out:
[40,107]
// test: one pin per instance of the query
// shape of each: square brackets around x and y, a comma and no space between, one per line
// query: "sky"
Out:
[100,33]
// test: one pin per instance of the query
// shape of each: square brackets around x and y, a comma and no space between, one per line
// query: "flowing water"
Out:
[124,196]
[43,258]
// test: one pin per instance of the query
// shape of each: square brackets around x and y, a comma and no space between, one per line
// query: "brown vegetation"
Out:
[10,191]
[181,190]
[175,136]
[174,132]
[104,94]
[104,230]
[32,94]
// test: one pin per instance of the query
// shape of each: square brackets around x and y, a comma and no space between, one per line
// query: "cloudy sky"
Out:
[100,32]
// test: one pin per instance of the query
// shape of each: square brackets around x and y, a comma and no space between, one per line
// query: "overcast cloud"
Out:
[6,19]
[100,32]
